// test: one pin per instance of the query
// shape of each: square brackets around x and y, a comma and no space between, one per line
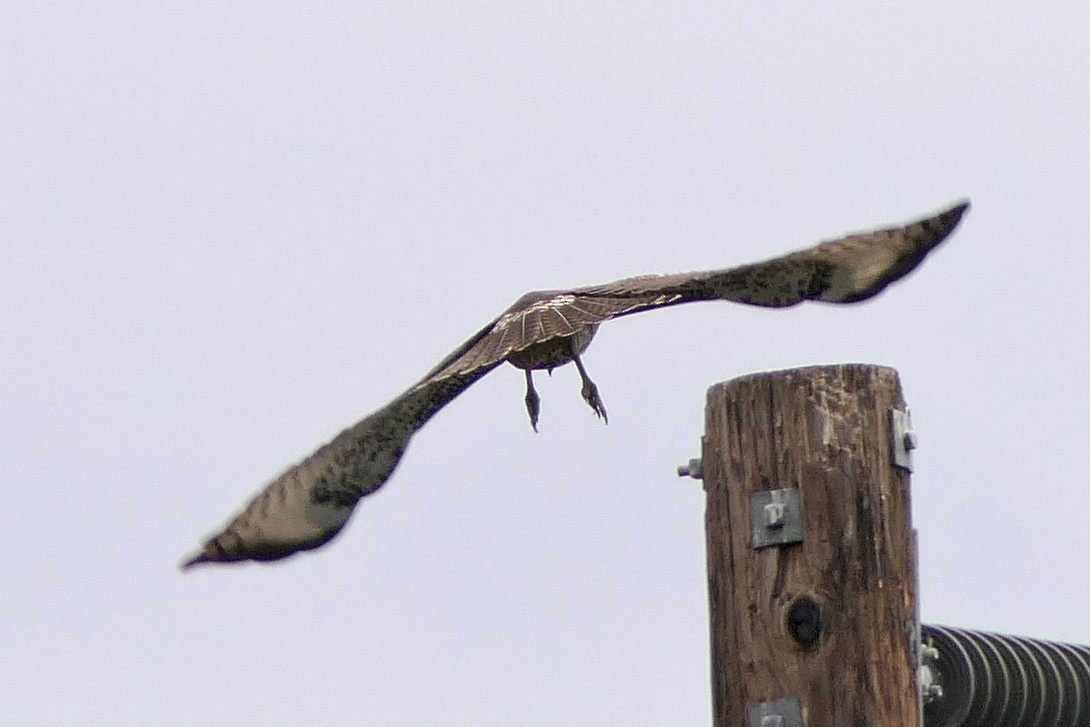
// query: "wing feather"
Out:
[312,501]
[309,503]
[845,270]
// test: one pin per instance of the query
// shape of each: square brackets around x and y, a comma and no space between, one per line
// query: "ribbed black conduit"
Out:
[991,680]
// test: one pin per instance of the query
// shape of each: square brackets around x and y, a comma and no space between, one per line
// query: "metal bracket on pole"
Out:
[902,438]
[930,675]
[776,517]
[786,712]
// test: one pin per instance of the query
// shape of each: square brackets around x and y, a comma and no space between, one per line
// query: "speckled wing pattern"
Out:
[312,501]
[845,270]
[307,505]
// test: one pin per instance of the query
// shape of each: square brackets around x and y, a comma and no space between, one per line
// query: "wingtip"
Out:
[942,224]
[959,208]
[189,563]
[211,552]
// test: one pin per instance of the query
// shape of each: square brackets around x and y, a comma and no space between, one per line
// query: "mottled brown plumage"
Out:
[309,503]
[546,329]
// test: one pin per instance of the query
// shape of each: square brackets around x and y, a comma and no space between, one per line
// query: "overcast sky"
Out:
[229,229]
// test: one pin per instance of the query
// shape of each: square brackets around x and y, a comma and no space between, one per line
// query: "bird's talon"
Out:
[533,402]
[590,395]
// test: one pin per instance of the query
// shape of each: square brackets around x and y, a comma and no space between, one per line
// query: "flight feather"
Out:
[312,501]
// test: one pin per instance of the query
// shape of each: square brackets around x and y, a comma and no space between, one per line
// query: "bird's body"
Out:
[310,502]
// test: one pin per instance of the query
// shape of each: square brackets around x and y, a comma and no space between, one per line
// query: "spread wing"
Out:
[311,502]
[845,270]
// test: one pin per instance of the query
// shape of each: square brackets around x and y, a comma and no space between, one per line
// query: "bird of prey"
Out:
[311,502]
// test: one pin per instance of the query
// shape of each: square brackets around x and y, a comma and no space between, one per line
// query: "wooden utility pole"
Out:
[822,632]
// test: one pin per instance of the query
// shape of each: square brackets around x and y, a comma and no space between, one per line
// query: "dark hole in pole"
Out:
[804,621]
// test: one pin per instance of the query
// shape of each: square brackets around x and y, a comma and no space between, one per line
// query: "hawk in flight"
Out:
[308,504]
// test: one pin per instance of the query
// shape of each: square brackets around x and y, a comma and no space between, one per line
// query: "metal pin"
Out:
[694,469]
[775,513]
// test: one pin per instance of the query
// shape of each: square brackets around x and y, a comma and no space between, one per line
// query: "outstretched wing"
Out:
[308,504]
[845,270]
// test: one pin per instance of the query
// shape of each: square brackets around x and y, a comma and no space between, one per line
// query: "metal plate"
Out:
[776,517]
[902,438]
[786,712]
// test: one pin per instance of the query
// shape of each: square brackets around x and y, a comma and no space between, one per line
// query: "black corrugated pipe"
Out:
[977,679]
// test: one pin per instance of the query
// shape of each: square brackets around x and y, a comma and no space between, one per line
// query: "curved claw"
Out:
[590,391]
[590,395]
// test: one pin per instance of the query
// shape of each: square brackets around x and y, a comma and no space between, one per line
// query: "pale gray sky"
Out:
[229,229]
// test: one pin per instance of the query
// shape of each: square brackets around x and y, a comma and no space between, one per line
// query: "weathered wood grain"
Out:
[824,430]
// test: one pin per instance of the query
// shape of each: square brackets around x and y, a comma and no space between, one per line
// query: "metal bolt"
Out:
[929,688]
[911,440]
[775,515]
[694,469]
[772,720]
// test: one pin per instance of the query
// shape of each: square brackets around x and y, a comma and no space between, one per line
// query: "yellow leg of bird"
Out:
[590,391]
[533,401]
